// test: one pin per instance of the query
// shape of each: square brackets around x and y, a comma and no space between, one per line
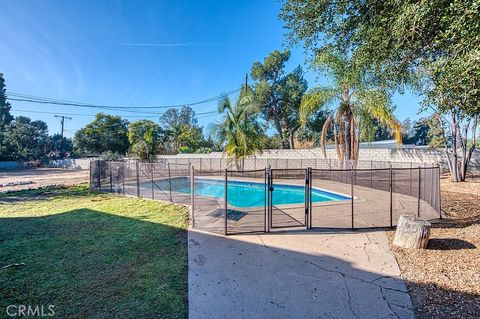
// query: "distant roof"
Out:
[379,142]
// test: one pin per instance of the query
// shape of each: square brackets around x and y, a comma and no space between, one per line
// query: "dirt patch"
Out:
[444,280]
[14,180]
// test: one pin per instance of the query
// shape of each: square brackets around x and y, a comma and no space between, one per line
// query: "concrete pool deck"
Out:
[371,209]
[295,274]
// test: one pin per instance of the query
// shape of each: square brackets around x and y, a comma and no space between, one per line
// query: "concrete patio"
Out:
[295,274]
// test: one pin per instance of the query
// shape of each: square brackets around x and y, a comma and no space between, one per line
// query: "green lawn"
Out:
[93,255]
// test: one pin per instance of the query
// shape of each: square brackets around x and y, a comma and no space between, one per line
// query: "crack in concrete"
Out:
[365,247]
[372,282]
[349,297]
[393,303]
[345,276]
[388,304]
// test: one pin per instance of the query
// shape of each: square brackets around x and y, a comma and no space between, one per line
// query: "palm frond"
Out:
[314,100]
[377,104]
[224,104]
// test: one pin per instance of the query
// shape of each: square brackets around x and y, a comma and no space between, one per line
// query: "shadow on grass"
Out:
[43,193]
[88,263]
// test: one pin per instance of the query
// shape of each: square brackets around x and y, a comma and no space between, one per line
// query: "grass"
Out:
[93,255]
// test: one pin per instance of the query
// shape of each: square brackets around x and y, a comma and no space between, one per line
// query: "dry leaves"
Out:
[444,280]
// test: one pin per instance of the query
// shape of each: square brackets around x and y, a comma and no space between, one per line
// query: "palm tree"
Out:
[239,130]
[357,104]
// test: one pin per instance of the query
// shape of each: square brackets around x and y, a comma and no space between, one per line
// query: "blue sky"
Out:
[138,53]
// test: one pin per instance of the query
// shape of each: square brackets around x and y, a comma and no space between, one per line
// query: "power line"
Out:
[65,104]
[201,114]
[43,100]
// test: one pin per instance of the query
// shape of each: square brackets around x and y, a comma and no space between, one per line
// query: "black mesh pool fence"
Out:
[335,194]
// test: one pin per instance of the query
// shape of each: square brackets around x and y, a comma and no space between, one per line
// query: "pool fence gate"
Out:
[317,194]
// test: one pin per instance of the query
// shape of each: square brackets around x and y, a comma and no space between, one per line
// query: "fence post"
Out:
[411,177]
[111,177]
[306,195]
[210,164]
[351,191]
[192,194]
[265,203]
[269,189]
[310,197]
[424,180]
[123,179]
[169,182]
[439,192]
[153,190]
[200,164]
[90,176]
[391,195]
[99,176]
[371,173]
[138,179]
[226,202]
[419,190]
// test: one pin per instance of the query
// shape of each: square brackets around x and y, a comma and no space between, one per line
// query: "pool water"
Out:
[251,194]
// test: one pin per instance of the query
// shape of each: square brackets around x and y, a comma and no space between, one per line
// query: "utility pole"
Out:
[62,121]
[246,82]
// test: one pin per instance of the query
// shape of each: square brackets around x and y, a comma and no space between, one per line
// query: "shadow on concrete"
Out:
[263,276]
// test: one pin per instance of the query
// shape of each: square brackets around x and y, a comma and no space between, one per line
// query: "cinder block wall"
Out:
[404,154]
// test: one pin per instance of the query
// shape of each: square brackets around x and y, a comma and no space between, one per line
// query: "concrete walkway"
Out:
[295,274]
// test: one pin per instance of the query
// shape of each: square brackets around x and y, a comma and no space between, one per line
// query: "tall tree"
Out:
[105,133]
[26,140]
[432,45]
[308,133]
[239,131]
[357,104]
[143,136]
[5,116]
[55,141]
[181,129]
[174,117]
[419,133]
[279,94]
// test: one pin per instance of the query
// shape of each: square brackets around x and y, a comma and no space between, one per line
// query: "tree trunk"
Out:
[468,151]
[412,232]
[291,140]
[278,127]
[348,137]
[454,155]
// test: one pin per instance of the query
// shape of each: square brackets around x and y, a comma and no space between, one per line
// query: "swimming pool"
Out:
[251,194]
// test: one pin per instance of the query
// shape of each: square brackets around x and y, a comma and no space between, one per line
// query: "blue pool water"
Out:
[250,194]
